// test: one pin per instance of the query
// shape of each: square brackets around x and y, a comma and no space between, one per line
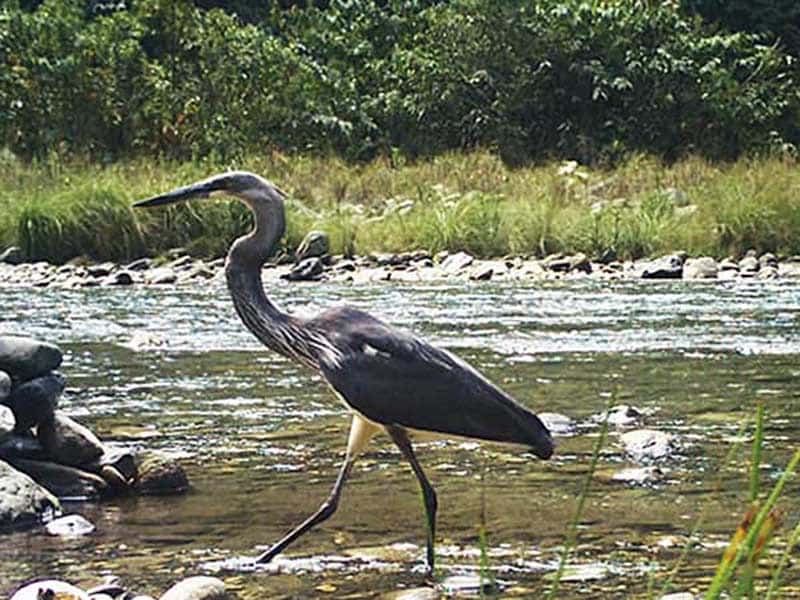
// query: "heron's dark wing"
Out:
[392,377]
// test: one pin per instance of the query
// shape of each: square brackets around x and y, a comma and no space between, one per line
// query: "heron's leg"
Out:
[361,431]
[400,437]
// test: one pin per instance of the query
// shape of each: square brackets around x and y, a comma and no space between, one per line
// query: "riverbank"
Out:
[460,202]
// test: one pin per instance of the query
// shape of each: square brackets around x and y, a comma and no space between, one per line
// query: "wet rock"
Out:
[12,256]
[469,584]
[100,270]
[557,423]
[748,266]
[5,385]
[63,481]
[419,593]
[678,596]
[768,273]
[50,589]
[68,442]
[22,500]
[638,475]
[120,278]
[563,264]
[159,475]
[180,263]
[315,244]
[35,401]
[704,267]
[25,358]
[117,467]
[160,276]
[7,422]
[141,264]
[648,444]
[456,262]
[69,526]
[728,264]
[21,445]
[306,270]
[623,415]
[768,259]
[197,588]
[666,267]
[482,272]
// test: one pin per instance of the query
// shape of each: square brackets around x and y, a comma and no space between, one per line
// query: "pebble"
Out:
[50,589]
[70,526]
[197,588]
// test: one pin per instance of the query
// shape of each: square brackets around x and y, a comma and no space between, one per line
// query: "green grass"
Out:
[471,202]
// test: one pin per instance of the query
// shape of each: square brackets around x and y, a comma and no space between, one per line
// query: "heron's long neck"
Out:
[278,330]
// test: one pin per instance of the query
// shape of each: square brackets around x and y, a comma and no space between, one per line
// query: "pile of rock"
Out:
[191,588]
[44,454]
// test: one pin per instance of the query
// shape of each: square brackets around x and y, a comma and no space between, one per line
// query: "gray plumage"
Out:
[391,379]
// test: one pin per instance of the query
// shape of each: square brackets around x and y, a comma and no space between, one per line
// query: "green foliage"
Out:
[568,79]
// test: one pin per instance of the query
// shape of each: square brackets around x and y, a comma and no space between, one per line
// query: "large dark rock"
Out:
[61,480]
[35,401]
[22,500]
[25,358]
[68,442]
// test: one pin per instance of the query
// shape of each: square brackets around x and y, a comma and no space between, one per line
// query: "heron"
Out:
[391,380]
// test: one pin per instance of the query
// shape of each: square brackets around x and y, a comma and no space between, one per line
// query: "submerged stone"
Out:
[25,358]
[63,481]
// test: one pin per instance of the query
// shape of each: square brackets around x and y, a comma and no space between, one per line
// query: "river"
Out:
[261,438]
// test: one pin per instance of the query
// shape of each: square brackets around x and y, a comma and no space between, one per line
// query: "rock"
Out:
[454,263]
[159,475]
[563,264]
[101,270]
[678,596]
[7,422]
[117,467]
[417,593]
[675,196]
[68,442]
[557,423]
[180,263]
[21,445]
[483,272]
[25,358]
[12,256]
[141,264]
[118,278]
[768,273]
[160,276]
[35,401]
[704,267]
[69,526]
[667,267]
[22,500]
[63,481]
[472,585]
[50,589]
[306,270]
[768,259]
[638,475]
[728,264]
[748,265]
[5,385]
[648,444]
[197,588]
[314,245]
[623,415]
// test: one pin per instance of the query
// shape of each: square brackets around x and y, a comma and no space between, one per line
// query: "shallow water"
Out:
[261,438]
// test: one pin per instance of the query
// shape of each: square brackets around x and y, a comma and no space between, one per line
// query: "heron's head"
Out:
[256,192]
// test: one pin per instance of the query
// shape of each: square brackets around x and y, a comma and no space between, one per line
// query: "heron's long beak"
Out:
[201,189]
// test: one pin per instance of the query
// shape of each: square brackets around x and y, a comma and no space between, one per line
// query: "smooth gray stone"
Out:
[315,244]
[197,588]
[25,358]
[22,500]
[61,480]
[5,385]
[68,442]
[35,401]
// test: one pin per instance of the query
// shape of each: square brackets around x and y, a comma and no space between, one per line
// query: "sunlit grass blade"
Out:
[775,582]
